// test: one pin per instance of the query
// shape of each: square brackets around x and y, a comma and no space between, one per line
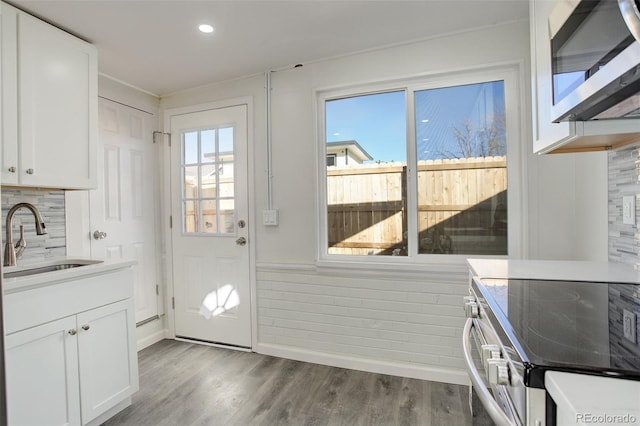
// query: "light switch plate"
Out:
[270,217]
[629,210]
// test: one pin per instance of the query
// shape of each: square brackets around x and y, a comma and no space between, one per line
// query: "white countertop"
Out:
[91,266]
[569,270]
[583,400]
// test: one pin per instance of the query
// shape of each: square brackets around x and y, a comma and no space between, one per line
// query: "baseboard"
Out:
[435,374]
[150,333]
[150,340]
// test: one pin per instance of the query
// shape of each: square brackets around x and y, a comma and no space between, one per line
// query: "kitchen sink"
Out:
[40,269]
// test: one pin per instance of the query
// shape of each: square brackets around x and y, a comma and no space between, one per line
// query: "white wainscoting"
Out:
[401,324]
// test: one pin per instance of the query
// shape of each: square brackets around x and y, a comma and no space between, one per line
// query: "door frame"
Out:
[165,196]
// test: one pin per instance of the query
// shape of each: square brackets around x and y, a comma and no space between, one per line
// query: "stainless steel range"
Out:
[520,329]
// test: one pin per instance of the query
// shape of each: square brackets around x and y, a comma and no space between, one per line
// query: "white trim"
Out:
[150,333]
[147,341]
[285,267]
[512,73]
[124,83]
[166,208]
[444,375]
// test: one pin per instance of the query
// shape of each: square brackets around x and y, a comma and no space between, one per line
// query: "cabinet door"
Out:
[42,375]
[9,90]
[108,357]
[57,92]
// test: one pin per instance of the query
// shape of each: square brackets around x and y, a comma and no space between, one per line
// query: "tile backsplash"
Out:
[624,247]
[624,179]
[51,205]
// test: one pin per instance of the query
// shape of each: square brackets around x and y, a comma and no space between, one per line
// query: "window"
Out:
[462,169]
[366,212]
[208,192]
[331,160]
[427,171]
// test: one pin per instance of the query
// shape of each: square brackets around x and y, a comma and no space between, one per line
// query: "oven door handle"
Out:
[489,403]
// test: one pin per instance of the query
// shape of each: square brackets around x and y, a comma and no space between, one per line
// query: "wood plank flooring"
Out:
[187,384]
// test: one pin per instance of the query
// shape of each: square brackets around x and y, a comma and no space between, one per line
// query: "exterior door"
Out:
[209,225]
[123,208]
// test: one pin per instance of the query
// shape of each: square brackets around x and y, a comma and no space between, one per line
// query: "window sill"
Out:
[437,267]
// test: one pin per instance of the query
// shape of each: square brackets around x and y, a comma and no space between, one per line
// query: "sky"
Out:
[378,122]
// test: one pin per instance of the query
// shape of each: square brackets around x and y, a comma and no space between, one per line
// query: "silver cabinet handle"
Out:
[241,241]
[490,404]
[12,169]
[631,16]
[73,332]
[99,235]
[86,327]
[30,171]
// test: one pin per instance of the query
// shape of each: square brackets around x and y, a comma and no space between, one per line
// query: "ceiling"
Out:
[155,45]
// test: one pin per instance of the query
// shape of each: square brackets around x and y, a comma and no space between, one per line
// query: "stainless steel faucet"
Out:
[9,248]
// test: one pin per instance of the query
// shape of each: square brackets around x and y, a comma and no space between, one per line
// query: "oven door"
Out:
[495,400]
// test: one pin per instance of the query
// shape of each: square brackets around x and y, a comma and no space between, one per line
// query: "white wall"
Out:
[391,320]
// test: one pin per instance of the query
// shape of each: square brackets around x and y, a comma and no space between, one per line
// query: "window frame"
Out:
[516,136]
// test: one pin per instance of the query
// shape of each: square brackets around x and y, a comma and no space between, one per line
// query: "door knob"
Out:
[99,235]
[241,241]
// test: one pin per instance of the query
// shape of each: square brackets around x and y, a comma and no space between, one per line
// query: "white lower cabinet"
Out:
[107,358]
[76,370]
[42,375]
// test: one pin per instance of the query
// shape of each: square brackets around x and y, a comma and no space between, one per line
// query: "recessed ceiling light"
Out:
[206,28]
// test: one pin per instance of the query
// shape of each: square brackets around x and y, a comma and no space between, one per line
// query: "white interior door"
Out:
[124,207]
[210,228]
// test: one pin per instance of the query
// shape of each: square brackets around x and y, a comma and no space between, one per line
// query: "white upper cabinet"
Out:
[49,94]
[564,136]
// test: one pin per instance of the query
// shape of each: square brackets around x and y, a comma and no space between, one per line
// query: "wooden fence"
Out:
[461,207]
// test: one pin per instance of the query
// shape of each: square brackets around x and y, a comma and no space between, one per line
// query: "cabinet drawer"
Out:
[36,306]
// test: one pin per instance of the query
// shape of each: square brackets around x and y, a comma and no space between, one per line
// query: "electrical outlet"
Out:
[629,210]
[629,325]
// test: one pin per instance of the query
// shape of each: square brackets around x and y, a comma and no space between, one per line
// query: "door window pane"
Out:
[191,182]
[190,151]
[208,146]
[190,216]
[209,215]
[366,174]
[208,181]
[462,169]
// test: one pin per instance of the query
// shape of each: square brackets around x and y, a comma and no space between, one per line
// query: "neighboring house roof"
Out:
[353,146]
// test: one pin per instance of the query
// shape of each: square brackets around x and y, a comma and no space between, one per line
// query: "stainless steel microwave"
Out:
[595,60]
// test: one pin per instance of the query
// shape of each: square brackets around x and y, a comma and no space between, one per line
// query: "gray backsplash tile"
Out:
[51,205]
[624,247]
[624,179]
